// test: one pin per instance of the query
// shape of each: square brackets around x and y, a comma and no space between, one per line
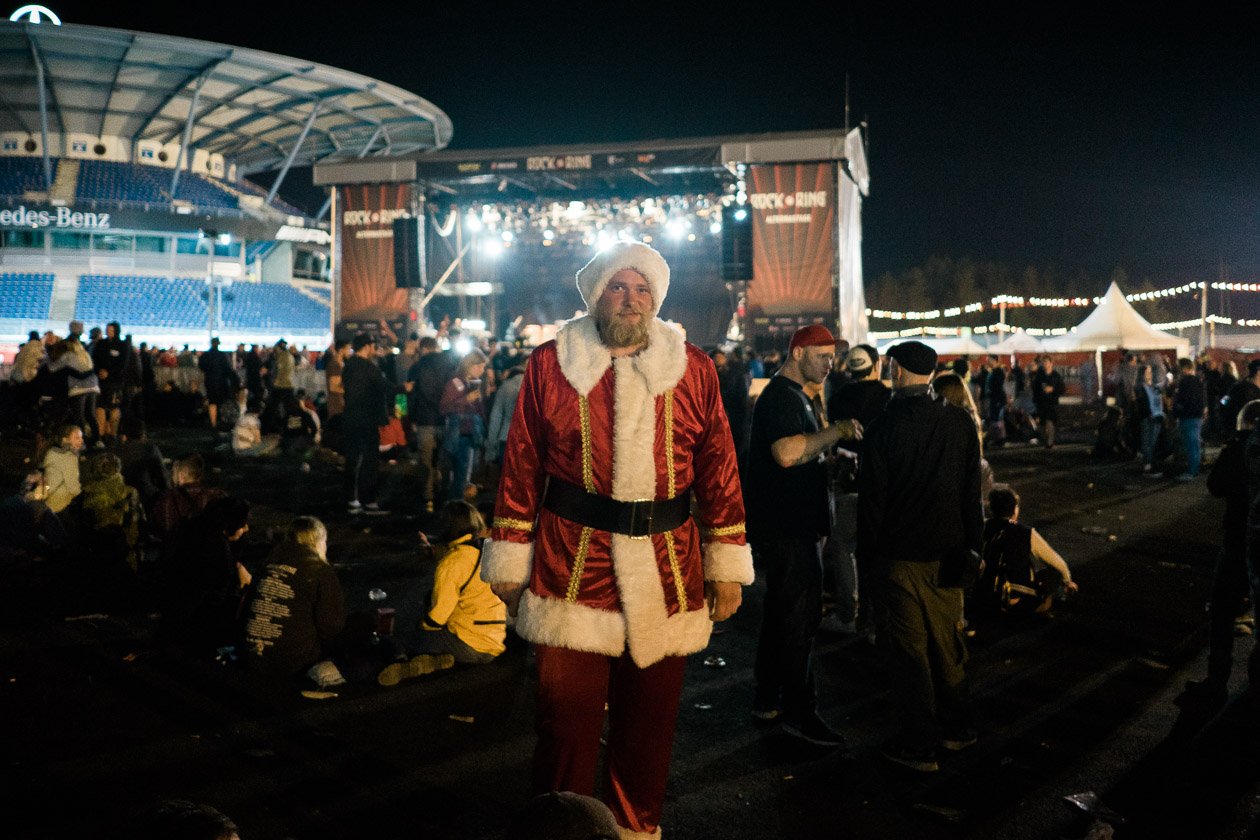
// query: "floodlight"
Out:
[741,214]
[473,222]
[492,249]
[676,228]
[549,235]
[715,228]
[463,346]
[507,236]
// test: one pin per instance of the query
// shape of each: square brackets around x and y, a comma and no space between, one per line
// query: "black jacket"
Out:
[367,393]
[1190,402]
[919,483]
[297,609]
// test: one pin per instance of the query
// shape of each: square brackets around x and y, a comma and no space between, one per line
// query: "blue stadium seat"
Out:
[102,180]
[182,303]
[272,306]
[25,296]
[20,175]
[142,301]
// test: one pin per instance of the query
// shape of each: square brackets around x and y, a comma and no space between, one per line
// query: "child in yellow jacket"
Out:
[465,618]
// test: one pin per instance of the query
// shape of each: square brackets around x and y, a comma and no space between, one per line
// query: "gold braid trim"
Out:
[669,444]
[724,531]
[588,474]
[579,563]
[512,524]
[673,567]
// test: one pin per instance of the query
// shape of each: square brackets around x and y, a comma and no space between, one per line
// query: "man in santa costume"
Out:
[618,429]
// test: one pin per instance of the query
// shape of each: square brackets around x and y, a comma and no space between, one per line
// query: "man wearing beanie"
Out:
[789,515]
[618,425]
[919,509]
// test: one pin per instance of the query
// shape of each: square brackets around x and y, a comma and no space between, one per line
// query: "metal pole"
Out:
[43,117]
[310,120]
[1203,316]
[184,152]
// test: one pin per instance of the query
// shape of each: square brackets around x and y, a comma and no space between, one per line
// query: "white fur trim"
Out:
[627,834]
[558,623]
[584,359]
[506,562]
[728,562]
[594,276]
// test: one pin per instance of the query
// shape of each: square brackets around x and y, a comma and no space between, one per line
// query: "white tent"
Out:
[1017,342]
[1115,324]
[944,346]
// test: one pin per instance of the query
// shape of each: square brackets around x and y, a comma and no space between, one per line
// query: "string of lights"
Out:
[1016,302]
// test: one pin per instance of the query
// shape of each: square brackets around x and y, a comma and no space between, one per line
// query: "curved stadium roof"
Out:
[251,107]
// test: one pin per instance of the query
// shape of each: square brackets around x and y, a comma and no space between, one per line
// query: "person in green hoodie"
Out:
[111,514]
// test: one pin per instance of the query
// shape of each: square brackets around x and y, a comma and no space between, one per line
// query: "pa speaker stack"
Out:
[407,273]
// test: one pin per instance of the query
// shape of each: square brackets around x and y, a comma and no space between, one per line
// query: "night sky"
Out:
[1071,143]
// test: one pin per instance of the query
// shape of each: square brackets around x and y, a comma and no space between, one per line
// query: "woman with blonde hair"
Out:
[951,388]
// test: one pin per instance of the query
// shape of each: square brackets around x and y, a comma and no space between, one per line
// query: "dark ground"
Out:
[98,725]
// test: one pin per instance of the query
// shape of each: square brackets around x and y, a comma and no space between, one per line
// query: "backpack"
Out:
[1009,581]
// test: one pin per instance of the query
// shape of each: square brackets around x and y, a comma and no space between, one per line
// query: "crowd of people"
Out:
[635,482]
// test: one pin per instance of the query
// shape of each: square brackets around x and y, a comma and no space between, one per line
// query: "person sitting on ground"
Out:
[1022,573]
[203,582]
[28,529]
[112,514]
[247,437]
[299,432]
[465,618]
[298,605]
[186,499]
[61,468]
[1109,442]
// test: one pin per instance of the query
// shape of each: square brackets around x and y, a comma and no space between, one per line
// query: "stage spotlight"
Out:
[492,249]
[741,214]
[715,228]
[548,235]
[507,236]
[463,347]
[676,228]
[602,240]
[472,222]
[225,238]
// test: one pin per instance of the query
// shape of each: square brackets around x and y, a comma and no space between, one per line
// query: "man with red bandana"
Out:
[618,428]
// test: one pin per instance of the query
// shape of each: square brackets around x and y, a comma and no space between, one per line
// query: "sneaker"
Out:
[766,712]
[922,760]
[373,509]
[959,740]
[815,730]
[354,508]
[417,666]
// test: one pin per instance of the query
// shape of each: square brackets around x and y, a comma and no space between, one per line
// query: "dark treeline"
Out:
[943,282]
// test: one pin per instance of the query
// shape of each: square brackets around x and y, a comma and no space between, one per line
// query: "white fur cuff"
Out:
[627,834]
[506,562]
[728,562]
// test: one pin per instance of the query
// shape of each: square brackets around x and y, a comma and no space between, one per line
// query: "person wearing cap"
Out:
[789,515]
[367,397]
[919,508]
[617,428]
[862,398]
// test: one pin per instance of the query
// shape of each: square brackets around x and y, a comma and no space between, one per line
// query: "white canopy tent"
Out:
[944,346]
[1017,342]
[1114,324]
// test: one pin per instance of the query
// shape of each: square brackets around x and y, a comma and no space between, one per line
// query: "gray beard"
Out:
[617,334]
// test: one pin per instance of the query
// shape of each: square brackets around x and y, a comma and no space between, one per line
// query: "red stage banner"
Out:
[794,232]
[365,235]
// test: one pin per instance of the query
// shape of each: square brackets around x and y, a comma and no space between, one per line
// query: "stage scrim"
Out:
[365,242]
[794,245]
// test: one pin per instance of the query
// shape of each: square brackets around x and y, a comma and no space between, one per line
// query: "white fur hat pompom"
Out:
[594,276]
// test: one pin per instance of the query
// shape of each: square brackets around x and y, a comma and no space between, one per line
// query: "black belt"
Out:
[634,519]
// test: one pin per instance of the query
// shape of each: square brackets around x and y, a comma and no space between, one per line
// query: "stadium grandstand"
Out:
[140,178]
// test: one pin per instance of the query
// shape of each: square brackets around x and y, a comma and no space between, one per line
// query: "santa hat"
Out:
[594,276]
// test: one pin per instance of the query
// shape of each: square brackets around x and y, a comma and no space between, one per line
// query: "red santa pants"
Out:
[642,709]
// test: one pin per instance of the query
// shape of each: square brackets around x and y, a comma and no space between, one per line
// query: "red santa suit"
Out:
[612,615]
